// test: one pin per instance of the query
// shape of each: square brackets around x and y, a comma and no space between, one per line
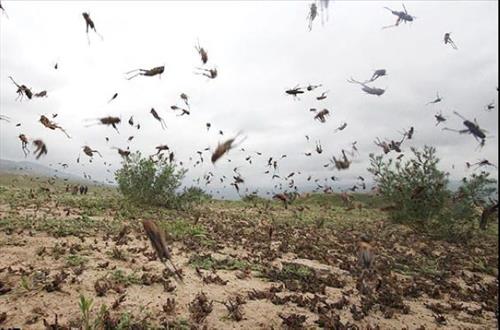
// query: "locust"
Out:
[342,163]
[322,96]
[490,106]
[24,144]
[22,90]
[384,145]
[3,10]
[51,125]
[41,148]
[157,238]
[313,12]
[471,128]
[482,163]
[162,147]
[319,149]
[90,24]
[157,71]
[377,74]
[321,115]
[403,16]
[210,73]
[224,148]
[202,52]
[185,98]
[4,117]
[294,92]
[341,127]
[41,94]
[157,117]
[367,89]
[90,152]
[313,87]
[108,121]
[436,100]
[439,118]
[113,97]
[123,153]
[448,40]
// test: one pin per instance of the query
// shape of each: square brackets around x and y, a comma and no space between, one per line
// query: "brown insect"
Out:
[148,73]
[24,144]
[157,117]
[185,98]
[203,53]
[41,94]
[109,121]
[123,153]
[322,96]
[210,73]
[223,148]
[321,116]
[157,238]
[49,124]
[41,148]
[4,117]
[22,90]
[319,149]
[384,145]
[161,148]
[90,152]
[343,163]
[365,255]
[89,24]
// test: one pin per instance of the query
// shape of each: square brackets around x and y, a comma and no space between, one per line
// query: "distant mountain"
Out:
[25,167]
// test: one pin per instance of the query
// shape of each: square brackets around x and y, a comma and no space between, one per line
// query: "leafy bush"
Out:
[419,194]
[194,195]
[149,182]
[417,189]
[469,203]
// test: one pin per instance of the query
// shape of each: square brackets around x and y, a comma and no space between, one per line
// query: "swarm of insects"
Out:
[41,148]
[51,125]
[157,238]
[147,72]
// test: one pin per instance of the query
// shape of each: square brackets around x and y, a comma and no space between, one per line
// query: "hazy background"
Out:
[261,48]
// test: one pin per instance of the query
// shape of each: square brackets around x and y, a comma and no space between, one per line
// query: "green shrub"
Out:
[146,181]
[419,194]
[194,195]
[417,189]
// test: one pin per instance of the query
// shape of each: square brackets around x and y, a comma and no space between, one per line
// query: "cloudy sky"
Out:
[260,48]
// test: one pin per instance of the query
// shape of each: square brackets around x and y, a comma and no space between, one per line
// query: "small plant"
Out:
[85,309]
[74,260]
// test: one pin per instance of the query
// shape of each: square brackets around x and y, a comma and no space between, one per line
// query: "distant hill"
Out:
[29,168]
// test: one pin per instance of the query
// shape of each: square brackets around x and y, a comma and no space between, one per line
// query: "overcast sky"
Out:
[260,48]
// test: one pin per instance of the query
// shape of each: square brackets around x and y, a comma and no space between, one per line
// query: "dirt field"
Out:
[244,265]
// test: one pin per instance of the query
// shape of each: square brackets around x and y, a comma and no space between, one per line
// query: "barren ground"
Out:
[244,265]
